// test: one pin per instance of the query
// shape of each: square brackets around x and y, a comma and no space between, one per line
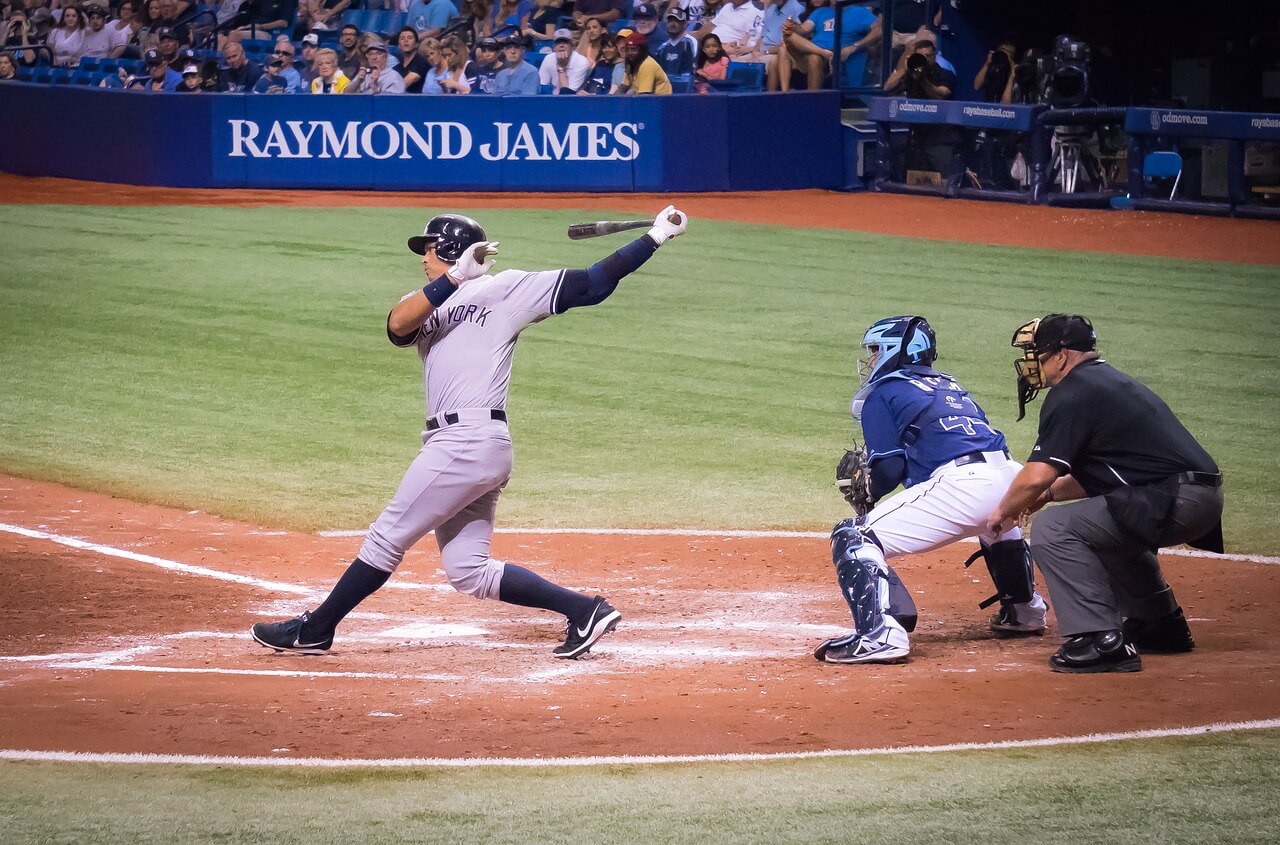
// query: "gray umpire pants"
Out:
[1097,575]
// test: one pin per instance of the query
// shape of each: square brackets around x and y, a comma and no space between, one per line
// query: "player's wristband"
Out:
[439,290]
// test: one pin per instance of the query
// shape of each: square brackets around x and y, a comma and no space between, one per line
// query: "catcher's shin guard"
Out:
[1009,562]
[862,573]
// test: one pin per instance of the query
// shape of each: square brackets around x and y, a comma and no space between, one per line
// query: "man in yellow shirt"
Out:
[643,74]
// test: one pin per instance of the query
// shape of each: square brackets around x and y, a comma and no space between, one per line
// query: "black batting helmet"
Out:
[451,234]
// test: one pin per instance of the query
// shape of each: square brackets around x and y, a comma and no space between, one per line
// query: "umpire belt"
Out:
[1201,479]
[466,415]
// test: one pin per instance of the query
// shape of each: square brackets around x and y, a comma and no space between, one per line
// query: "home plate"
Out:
[433,631]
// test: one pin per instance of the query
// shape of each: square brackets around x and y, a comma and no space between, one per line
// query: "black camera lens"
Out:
[917,63]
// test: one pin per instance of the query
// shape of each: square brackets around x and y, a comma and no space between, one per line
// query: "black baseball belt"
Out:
[450,418]
[975,458]
[1201,479]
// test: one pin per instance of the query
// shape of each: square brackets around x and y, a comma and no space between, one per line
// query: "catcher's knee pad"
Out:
[474,576]
[862,573]
[1009,562]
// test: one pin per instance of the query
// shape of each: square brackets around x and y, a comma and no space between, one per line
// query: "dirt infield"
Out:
[104,654]
[1134,233]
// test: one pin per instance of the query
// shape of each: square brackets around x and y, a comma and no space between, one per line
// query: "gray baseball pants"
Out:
[1097,575]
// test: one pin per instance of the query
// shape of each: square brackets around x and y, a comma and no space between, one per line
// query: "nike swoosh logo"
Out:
[582,632]
[299,644]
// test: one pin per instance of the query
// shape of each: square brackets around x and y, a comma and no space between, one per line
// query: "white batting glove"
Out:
[472,264]
[669,223]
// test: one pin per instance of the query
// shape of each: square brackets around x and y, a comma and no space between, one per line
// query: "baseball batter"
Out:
[925,432]
[464,324]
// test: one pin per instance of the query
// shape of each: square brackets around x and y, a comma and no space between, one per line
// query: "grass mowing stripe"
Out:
[1217,788]
[233,360]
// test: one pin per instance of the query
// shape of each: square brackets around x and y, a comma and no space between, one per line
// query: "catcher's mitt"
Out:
[854,481]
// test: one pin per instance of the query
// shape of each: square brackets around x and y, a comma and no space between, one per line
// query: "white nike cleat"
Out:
[284,636]
[580,637]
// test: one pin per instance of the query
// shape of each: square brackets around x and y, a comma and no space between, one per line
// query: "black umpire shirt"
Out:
[1108,430]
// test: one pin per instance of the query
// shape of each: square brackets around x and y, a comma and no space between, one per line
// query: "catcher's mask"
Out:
[1041,337]
[891,344]
[451,234]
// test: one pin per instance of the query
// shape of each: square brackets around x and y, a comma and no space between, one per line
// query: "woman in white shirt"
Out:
[67,41]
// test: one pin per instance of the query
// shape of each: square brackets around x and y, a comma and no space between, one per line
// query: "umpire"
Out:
[1143,482]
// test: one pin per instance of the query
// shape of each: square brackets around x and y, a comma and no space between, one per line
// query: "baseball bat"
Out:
[581,231]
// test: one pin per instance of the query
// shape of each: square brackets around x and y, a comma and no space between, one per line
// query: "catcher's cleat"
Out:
[1103,651]
[1020,620]
[582,634]
[1166,635]
[285,636]
[888,645]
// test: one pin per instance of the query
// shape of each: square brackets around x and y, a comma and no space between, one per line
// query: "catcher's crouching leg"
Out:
[865,580]
[1022,610]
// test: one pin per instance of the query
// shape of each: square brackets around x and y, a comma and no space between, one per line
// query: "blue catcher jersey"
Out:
[926,416]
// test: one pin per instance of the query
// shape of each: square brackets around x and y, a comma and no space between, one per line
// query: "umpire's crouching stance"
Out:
[1145,483]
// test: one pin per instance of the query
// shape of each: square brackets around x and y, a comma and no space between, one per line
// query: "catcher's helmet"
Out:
[451,234]
[895,342]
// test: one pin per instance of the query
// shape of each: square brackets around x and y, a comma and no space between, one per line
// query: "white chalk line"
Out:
[732,533]
[138,758]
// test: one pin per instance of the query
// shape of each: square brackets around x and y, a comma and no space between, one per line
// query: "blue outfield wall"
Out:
[660,144]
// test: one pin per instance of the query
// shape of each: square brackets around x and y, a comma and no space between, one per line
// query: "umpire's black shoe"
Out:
[1104,651]
[287,636]
[583,633]
[1167,635]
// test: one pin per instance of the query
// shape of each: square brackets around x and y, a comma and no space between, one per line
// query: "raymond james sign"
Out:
[405,140]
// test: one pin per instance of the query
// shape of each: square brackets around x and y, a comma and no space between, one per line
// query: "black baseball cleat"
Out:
[581,637]
[286,636]
[1167,635]
[1103,651]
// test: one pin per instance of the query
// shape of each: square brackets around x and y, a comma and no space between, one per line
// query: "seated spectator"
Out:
[808,46]
[329,77]
[643,74]
[436,64]
[284,51]
[190,83]
[679,51]
[375,77]
[412,67]
[712,63]
[211,77]
[66,42]
[350,57]
[507,15]
[457,67]
[705,19]
[590,37]
[319,15]
[19,36]
[159,76]
[518,77]
[485,68]
[606,76]
[646,23]
[481,12]
[8,70]
[738,24]
[428,17]
[563,69]
[168,44]
[151,18]
[305,63]
[170,10]
[273,81]
[100,40]
[776,12]
[42,22]
[263,17]
[602,10]
[994,80]
[127,23]
[541,21]
[238,74]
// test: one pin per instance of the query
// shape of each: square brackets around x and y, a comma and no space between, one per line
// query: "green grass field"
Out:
[1218,788]
[234,361]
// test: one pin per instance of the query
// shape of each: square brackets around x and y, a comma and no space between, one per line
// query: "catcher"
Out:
[925,432]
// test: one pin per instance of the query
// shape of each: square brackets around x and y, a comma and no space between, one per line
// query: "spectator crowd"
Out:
[442,47]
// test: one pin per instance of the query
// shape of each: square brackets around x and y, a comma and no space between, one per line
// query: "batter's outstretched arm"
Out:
[593,285]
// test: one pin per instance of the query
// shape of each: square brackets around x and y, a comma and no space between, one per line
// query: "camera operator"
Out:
[995,78]
[918,76]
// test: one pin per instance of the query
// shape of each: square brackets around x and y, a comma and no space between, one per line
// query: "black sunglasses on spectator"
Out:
[282,52]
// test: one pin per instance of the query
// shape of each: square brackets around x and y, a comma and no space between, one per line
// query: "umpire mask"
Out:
[1045,336]
[1030,379]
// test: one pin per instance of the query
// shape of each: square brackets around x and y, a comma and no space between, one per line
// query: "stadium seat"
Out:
[621,24]
[91,63]
[82,77]
[355,17]
[1163,165]
[24,73]
[748,75]
[396,21]
[42,75]
[680,82]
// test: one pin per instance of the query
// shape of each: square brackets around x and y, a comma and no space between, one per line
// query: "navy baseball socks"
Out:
[312,633]
[589,618]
